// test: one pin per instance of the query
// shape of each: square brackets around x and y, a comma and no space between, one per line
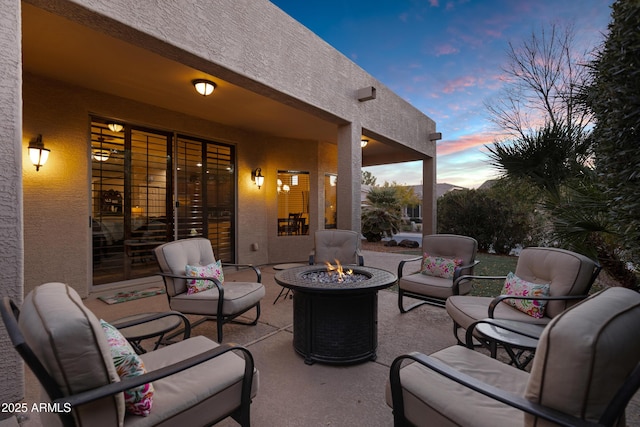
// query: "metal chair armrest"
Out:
[179,276]
[483,388]
[457,274]
[215,281]
[255,269]
[403,262]
[154,316]
[457,281]
[501,298]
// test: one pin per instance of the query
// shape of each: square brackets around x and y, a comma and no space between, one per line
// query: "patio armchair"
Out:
[340,245]
[563,278]
[445,258]
[93,378]
[195,284]
[584,373]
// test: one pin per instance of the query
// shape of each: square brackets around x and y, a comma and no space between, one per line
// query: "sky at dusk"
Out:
[446,59]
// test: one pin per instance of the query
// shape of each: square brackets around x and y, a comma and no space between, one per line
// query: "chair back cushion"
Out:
[585,354]
[566,272]
[69,342]
[173,258]
[451,246]
[341,245]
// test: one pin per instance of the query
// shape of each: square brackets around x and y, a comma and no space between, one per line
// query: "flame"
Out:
[338,270]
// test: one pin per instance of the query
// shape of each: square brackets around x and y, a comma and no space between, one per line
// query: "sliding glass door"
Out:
[140,198]
[205,194]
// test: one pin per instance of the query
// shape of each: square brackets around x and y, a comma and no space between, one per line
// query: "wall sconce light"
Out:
[37,153]
[115,127]
[364,142]
[204,87]
[257,177]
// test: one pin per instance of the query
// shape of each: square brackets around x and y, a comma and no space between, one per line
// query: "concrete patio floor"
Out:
[295,394]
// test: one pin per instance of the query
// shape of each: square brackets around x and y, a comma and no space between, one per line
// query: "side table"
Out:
[517,338]
[139,327]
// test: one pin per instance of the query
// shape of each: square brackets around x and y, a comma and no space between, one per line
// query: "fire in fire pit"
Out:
[334,274]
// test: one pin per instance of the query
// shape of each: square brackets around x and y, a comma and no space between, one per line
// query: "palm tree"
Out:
[381,216]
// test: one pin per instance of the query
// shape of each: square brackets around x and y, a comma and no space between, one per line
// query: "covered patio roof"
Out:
[64,50]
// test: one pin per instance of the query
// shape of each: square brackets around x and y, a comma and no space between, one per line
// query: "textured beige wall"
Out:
[57,198]
[254,44]
[11,261]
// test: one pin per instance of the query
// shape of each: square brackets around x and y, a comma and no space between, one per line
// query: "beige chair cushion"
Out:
[464,310]
[175,257]
[432,400]
[197,395]
[603,338]
[450,246]
[69,341]
[568,273]
[237,297]
[435,287]
[342,245]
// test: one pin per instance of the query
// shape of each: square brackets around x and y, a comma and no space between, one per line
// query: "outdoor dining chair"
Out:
[445,258]
[195,284]
[89,372]
[584,373]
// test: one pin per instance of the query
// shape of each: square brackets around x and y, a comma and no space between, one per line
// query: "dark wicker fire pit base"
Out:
[335,329]
[335,323]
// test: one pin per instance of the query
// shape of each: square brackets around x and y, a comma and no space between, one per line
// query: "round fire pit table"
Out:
[335,322]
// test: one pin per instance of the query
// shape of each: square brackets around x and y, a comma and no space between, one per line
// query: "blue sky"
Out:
[445,58]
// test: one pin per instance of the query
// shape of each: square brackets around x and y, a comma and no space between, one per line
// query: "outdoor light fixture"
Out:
[257,177]
[37,153]
[204,87]
[115,127]
[364,142]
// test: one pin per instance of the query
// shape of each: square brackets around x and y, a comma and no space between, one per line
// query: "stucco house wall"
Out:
[11,256]
[249,43]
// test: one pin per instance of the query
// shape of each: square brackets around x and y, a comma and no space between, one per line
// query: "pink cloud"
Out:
[459,84]
[434,3]
[446,49]
[467,142]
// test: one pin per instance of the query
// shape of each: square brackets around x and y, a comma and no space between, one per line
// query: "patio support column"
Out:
[349,176]
[11,227]
[429,196]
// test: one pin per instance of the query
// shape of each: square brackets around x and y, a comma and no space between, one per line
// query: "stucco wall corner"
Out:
[11,251]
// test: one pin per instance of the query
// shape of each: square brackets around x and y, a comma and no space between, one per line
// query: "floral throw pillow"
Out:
[212,270]
[439,266]
[137,400]
[514,285]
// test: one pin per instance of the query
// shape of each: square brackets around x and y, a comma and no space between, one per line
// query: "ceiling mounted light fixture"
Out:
[115,127]
[204,87]
[37,153]
[364,142]
[101,155]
